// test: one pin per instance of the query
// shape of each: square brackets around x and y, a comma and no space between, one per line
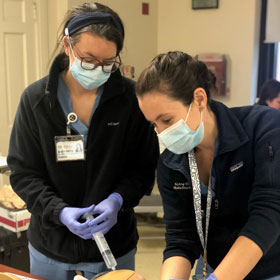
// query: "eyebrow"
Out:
[160,116]
[92,55]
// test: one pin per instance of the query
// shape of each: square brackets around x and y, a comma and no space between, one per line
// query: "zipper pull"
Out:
[202,213]
[216,204]
[270,150]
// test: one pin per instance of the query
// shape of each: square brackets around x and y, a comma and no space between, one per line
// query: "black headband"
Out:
[88,18]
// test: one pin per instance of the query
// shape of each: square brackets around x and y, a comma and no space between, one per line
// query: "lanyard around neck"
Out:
[197,206]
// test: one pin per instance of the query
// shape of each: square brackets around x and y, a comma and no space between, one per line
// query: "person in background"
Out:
[218,177]
[270,94]
[85,100]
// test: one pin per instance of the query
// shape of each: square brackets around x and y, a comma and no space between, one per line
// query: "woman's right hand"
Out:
[69,217]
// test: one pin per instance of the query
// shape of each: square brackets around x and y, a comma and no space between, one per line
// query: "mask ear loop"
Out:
[69,40]
[189,113]
[201,114]
[66,31]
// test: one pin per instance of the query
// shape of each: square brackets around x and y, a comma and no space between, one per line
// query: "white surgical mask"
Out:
[179,138]
[88,79]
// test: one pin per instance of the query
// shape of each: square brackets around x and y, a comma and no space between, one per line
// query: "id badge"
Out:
[69,147]
[199,277]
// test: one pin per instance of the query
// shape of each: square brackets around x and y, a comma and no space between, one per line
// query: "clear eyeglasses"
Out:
[91,63]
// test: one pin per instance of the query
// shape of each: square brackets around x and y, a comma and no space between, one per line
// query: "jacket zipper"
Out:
[216,204]
[270,150]
[49,98]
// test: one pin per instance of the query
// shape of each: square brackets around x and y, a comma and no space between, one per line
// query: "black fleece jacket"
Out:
[121,156]
[246,171]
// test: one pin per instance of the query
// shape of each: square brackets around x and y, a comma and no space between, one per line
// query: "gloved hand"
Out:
[69,217]
[108,213]
[212,276]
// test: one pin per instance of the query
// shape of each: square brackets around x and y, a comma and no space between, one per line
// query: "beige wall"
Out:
[231,29]
[56,12]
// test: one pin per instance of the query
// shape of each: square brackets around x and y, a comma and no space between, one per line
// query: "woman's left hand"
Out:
[212,276]
[107,211]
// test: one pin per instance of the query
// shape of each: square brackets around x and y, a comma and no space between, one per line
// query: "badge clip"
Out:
[72,117]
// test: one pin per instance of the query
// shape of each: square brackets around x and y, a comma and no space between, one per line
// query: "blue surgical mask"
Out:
[88,79]
[179,138]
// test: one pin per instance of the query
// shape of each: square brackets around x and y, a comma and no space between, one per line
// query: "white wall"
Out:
[232,29]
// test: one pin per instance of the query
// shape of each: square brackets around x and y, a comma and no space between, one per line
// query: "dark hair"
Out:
[176,74]
[108,31]
[269,90]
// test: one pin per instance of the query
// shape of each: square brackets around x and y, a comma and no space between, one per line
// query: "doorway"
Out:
[23,56]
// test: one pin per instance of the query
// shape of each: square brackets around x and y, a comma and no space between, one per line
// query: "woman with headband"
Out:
[218,177]
[83,101]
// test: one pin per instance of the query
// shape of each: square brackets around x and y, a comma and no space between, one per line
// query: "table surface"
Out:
[4,268]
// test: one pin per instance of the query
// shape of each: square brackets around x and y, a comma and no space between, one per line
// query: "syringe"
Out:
[103,247]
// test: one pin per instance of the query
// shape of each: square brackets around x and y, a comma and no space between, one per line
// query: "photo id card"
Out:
[69,147]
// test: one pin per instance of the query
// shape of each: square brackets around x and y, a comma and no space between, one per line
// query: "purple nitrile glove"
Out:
[108,213]
[212,276]
[69,217]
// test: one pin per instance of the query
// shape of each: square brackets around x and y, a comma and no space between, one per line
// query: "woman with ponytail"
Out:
[218,176]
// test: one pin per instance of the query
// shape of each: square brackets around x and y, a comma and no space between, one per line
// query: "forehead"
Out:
[99,46]
[155,103]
